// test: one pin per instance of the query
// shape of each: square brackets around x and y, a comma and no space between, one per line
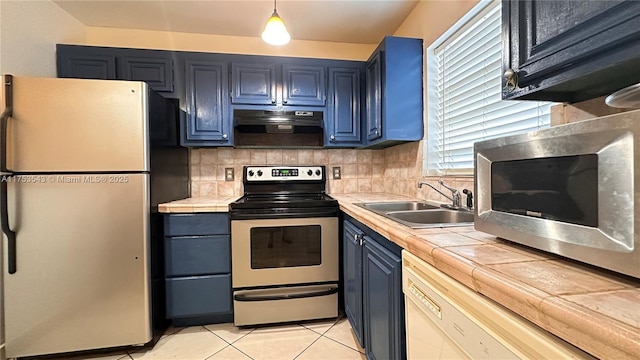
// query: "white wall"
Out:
[29,31]
[165,40]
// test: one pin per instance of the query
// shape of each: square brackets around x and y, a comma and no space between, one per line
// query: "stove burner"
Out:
[268,193]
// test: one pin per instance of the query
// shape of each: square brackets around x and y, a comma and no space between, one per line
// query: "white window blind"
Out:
[464,87]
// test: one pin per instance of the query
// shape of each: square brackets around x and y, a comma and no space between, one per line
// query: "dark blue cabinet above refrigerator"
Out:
[394,96]
[155,67]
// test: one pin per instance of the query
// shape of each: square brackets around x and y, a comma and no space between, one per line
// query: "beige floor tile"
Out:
[326,348]
[229,353]
[116,355]
[320,326]
[228,332]
[276,342]
[342,333]
[192,343]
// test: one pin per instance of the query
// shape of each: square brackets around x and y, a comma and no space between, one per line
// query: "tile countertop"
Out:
[198,204]
[594,310]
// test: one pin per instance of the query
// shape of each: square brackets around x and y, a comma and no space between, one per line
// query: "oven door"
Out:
[285,251]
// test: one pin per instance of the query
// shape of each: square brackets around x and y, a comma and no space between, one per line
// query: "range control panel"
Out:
[283,173]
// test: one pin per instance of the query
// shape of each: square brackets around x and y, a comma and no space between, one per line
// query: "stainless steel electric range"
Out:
[284,245]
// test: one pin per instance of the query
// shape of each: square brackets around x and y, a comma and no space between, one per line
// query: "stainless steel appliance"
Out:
[85,163]
[572,190]
[284,246]
[278,128]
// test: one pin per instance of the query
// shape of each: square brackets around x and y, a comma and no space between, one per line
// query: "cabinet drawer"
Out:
[196,255]
[198,295]
[196,224]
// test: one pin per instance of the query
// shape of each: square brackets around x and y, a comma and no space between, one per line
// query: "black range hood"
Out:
[278,128]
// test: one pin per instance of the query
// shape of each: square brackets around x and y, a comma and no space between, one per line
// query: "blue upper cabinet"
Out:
[266,80]
[87,66]
[394,96]
[253,83]
[343,118]
[303,85]
[589,51]
[207,120]
[154,67]
[155,71]
[374,97]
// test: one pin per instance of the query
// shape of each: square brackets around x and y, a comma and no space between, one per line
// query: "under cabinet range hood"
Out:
[285,128]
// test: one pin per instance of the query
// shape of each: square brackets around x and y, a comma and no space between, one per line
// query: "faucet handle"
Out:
[469,198]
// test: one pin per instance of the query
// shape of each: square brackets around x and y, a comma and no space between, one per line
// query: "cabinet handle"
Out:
[511,78]
[225,136]
[273,100]
[377,132]
[332,137]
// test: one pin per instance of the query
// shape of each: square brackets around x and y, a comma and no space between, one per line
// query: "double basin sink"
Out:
[419,214]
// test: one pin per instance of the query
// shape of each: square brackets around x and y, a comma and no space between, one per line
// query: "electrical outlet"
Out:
[336,173]
[228,174]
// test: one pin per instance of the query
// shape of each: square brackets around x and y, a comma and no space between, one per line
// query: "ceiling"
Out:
[350,21]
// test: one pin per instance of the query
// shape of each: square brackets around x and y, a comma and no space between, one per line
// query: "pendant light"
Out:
[275,33]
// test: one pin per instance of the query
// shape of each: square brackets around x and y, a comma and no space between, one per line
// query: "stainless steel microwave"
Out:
[571,190]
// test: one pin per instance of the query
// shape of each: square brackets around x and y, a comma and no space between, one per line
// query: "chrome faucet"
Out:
[455,194]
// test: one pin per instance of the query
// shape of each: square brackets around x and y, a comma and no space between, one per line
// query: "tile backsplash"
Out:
[395,170]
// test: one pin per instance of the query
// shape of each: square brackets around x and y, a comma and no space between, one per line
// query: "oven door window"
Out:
[285,246]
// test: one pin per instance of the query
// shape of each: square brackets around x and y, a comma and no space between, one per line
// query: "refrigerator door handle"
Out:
[6,114]
[4,215]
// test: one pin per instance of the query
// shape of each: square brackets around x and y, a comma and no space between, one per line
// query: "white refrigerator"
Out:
[84,165]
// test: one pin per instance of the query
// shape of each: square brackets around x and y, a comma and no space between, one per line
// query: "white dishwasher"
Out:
[447,320]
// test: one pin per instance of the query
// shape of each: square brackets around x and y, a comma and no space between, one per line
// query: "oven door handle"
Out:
[246,297]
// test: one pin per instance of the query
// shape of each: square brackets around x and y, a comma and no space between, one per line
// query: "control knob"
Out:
[310,172]
[318,172]
[251,172]
[259,172]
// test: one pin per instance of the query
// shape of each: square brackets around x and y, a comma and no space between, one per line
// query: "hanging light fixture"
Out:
[275,33]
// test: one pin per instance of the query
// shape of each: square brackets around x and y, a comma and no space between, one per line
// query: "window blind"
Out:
[465,101]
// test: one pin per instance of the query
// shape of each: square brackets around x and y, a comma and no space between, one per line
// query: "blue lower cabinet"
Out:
[190,255]
[198,295]
[197,265]
[374,303]
[382,287]
[352,270]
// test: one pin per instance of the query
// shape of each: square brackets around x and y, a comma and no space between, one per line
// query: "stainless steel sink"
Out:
[432,218]
[420,214]
[383,207]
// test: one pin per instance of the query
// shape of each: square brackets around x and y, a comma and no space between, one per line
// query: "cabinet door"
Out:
[352,269]
[374,97]
[207,114]
[253,83]
[303,85]
[383,310]
[343,119]
[155,71]
[591,50]
[86,66]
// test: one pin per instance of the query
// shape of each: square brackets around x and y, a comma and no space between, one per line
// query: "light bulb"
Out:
[275,33]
